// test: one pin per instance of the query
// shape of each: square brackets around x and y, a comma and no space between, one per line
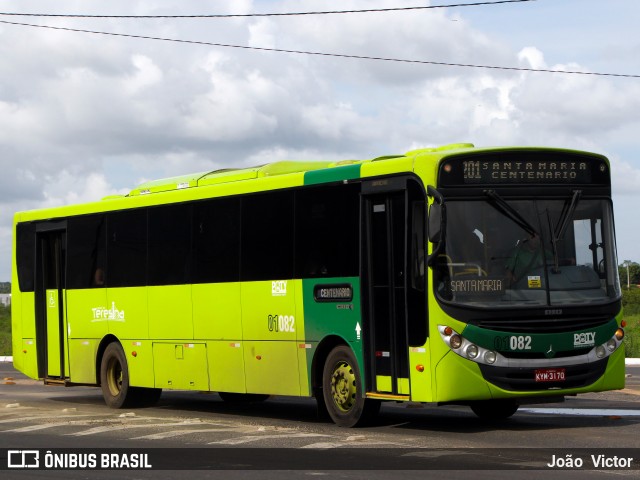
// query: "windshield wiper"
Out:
[563,222]
[508,211]
[566,215]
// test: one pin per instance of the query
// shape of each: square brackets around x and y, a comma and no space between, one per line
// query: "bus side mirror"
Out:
[435,223]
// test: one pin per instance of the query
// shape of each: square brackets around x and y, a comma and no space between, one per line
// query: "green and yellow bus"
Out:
[484,277]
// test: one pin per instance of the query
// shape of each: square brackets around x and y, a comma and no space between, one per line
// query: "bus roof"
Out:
[226,175]
[280,174]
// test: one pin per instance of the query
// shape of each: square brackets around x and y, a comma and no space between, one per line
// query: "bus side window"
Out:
[216,240]
[169,244]
[267,236]
[127,248]
[86,253]
[26,255]
[327,231]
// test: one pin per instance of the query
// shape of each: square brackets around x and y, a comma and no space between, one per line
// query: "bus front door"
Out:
[51,333]
[384,289]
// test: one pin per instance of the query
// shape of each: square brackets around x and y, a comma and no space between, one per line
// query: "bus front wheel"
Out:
[343,390]
[494,409]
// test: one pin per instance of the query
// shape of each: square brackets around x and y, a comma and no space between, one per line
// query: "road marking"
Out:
[359,444]
[588,412]
[257,438]
[176,433]
[39,417]
[113,428]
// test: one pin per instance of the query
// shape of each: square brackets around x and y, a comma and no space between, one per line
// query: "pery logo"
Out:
[586,339]
[23,459]
[279,288]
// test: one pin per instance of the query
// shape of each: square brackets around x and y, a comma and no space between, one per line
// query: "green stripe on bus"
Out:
[335,174]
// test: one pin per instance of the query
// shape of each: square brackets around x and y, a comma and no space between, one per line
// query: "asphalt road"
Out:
[284,437]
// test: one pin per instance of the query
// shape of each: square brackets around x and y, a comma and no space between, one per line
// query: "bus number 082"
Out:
[520,342]
[281,323]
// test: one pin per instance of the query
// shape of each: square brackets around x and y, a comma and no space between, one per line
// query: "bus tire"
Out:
[114,378]
[343,390]
[494,409]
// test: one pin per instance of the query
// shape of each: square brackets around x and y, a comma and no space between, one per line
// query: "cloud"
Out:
[83,116]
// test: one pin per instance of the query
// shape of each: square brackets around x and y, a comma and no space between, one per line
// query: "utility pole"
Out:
[626,263]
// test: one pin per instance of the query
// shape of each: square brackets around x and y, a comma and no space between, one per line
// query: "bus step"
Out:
[55,381]
[388,396]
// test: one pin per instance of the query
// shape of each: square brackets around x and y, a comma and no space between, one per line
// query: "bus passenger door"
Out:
[385,324]
[393,278]
[51,335]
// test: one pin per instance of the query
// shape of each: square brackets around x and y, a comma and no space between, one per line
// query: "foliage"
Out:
[632,336]
[631,301]
[5,330]
[634,274]
[5,287]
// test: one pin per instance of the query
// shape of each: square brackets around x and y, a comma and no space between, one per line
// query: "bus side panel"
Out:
[217,313]
[17,329]
[25,359]
[217,317]
[332,316]
[226,366]
[269,326]
[421,390]
[170,312]
[459,379]
[181,366]
[25,353]
[87,313]
[614,375]
[139,355]
[127,312]
[303,346]
[82,360]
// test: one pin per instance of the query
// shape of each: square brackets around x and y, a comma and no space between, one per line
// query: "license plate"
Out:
[550,375]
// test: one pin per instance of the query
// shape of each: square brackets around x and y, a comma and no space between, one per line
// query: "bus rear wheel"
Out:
[114,377]
[343,390]
[114,380]
[494,409]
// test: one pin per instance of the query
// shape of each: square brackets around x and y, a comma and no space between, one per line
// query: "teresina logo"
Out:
[101,314]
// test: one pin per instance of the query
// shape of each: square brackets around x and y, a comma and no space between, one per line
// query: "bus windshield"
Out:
[505,253]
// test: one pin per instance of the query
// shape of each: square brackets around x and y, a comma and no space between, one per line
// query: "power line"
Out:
[325,54]
[284,14]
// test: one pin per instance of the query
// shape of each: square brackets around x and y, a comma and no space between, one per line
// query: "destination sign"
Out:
[523,169]
[333,293]
[539,171]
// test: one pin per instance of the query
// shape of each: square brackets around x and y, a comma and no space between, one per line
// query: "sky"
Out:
[83,116]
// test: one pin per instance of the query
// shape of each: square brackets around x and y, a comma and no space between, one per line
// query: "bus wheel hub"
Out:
[343,386]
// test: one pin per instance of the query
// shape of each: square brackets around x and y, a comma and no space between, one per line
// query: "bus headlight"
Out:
[467,349]
[455,341]
[472,351]
[490,357]
[611,345]
[600,351]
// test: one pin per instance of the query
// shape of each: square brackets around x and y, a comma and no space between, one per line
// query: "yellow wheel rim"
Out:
[114,377]
[343,386]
